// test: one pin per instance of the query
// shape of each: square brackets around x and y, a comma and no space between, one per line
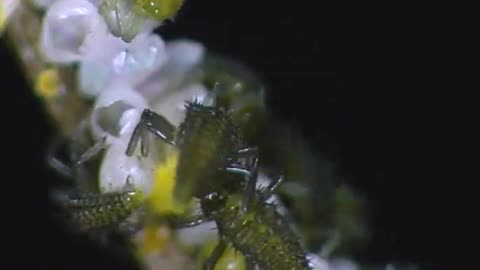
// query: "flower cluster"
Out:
[121,67]
[118,76]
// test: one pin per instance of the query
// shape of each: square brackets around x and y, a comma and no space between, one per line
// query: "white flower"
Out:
[108,111]
[117,167]
[182,58]
[175,82]
[115,115]
[119,62]
[67,30]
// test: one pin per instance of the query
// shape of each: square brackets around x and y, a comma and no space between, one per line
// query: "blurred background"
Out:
[364,81]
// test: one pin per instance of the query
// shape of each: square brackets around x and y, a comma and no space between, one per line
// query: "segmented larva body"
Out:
[96,210]
[261,235]
[206,139]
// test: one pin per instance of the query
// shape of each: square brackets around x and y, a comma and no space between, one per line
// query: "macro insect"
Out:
[216,167]
[92,211]
[108,196]
[115,112]
[231,165]
[210,147]
[257,231]
[122,105]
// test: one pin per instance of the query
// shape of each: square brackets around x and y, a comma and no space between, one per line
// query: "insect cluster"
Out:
[177,150]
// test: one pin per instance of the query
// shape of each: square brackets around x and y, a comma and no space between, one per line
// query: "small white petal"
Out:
[67,28]
[119,61]
[96,68]
[183,55]
[182,58]
[117,167]
[172,106]
[119,98]
[145,54]
[317,263]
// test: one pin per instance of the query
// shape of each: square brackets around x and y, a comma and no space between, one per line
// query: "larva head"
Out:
[212,204]
[159,10]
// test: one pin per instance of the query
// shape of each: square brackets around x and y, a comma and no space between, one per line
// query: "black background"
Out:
[365,81]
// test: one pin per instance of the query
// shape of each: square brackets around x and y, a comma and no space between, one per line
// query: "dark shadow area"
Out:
[364,81]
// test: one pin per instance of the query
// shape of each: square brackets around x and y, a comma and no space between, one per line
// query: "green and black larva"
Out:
[93,210]
[259,233]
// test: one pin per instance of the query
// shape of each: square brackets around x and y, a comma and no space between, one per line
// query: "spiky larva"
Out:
[97,211]
[206,139]
[260,234]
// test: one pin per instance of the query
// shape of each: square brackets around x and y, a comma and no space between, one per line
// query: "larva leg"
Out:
[250,153]
[215,255]
[98,210]
[56,163]
[154,123]
[180,223]
[135,139]
[92,151]
[251,173]
[270,189]
[243,158]
[250,188]
[236,170]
